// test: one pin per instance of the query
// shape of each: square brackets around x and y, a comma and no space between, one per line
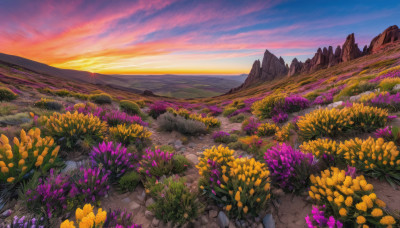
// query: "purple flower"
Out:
[157,163]
[92,184]
[250,125]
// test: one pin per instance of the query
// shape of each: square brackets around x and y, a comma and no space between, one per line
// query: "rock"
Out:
[268,221]
[295,67]
[126,200]
[141,197]
[135,207]
[222,220]
[350,49]
[260,226]
[178,144]
[357,97]
[192,159]
[70,166]
[334,104]
[148,93]
[396,87]
[149,214]
[212,213]
[149,202]
[6,213]
[277,192]
[204,220]
[191,145]
[387,37]
[155,222]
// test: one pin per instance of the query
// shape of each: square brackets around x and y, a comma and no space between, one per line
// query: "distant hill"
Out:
[179,86]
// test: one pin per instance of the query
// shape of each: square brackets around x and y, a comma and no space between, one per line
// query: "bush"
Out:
[228,111]
[393,72]
[157,163]
[54,195]
[114,158]
[16,119]
[91,184]
[386,100]
[156,109]
[129,181]
[130,107]
[238,118]
[120,219]
[49,104]
[265,108]
[180,163]
[170,122]
[354,89]
[86,216]
[62,93]
[132,134]
[242,185]
[70,129]
[290,169]
[29,152]
[387,84]
[250,125]
[295,103]
[101,98]
[374,157]
[224,137]
[267,129]
[6,94]
[24,221]
[175,203]
[283,134]
[332,122]
[355,204]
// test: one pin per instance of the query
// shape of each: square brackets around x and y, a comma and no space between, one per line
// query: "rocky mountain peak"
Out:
[387,37]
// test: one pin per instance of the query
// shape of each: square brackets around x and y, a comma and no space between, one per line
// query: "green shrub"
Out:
[129,181]
[17,119]
[80,96]
[238,118]
[171,122]
[101,98]
[7,108]
[167,148]
[130,107]
[49,104]
[175,203]
[228,110]
[263,108]
[354,89]
[387,84]
[180,163]
[6,94]
[235,145]
[62,93]
[238,104]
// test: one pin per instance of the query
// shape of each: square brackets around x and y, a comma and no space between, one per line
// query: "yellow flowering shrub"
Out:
[70,128]
[352,200]
[134,133]
[331,122]
[387,84]
[85,218]
[267,129]
[283,134]
[29,152]
[263,108]
[209,121]
[242,185]
[374,157]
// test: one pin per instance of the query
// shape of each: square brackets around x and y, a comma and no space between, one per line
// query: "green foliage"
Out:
[167,148]
[387,84]
[175,203]
[227,139]
[354,89]
[7,108]
[130,107]
[180,163]
[263,108]
[16,119]
[238,104]
[381,64]
[102,98]
[6,94]
[49,104]
[228,110]
[238,118]
[171,122]
[62,93]
[129,181]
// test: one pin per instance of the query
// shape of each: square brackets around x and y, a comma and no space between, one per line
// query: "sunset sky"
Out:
[180,36]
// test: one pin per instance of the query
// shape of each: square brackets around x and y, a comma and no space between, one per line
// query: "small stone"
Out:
[396,87]
[277,192]
[212,213]
[222,220]
[155,222]
[135,207]
[192,158]
[260,226]
[126,200]
[149,202]
[204,220]
[141,197]
[149,214]
[268,221]
[6,213]
[69,166]
[183,149]
[191,145]
[178,144]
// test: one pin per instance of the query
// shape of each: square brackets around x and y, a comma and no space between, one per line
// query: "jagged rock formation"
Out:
[273,68]
[387,37]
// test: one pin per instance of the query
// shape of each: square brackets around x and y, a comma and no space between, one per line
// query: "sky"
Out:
[183,36]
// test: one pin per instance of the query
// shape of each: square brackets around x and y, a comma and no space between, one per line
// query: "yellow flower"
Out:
[361,206]
[361,219]
[240,204]
[387,220]
[237,196]
[251,191]
[87,209]
[349,201]
[343,212]
[10,179]
[67,224]
[380,203]
[100,217]
[377,212]
[4,170]
[79,214]
[228,207]
[245,209]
